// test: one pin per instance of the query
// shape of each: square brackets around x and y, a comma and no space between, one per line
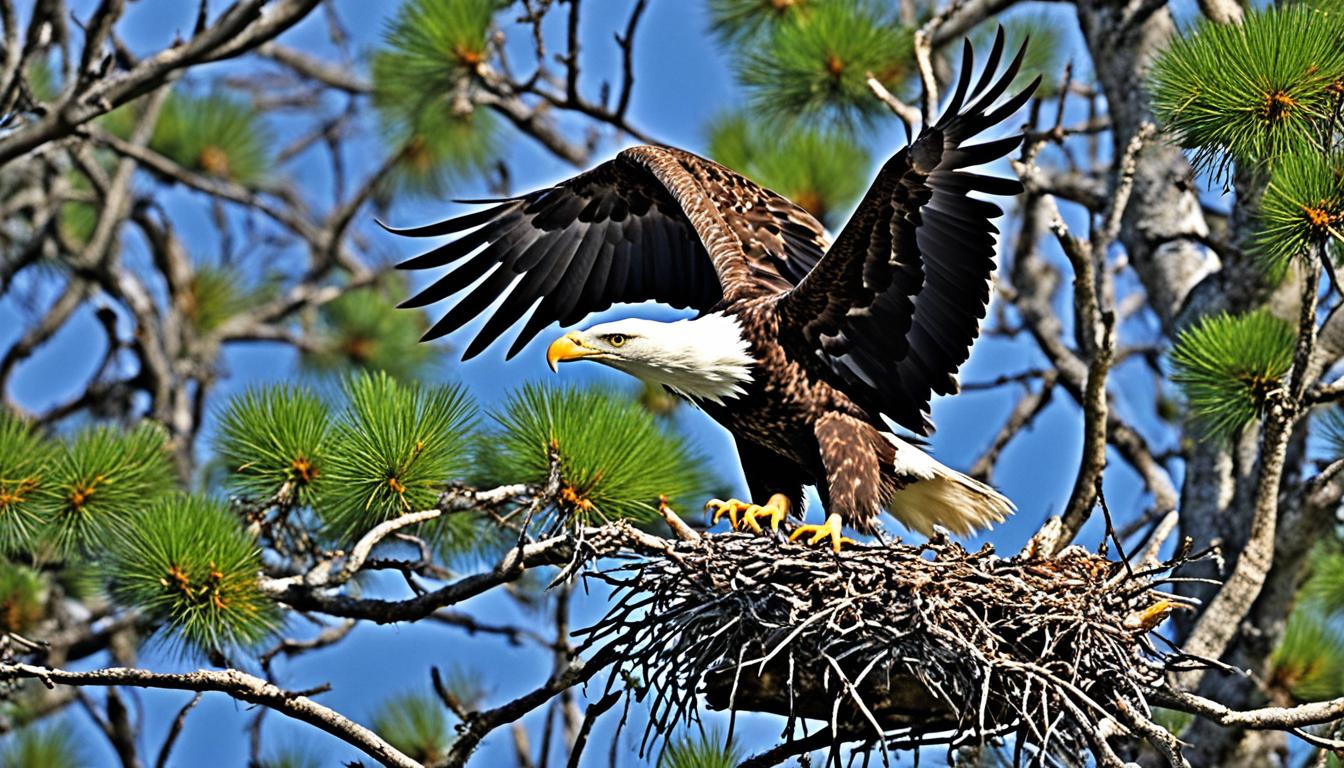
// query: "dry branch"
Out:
[239,685]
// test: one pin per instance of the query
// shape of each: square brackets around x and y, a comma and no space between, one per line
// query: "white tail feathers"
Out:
[934,494]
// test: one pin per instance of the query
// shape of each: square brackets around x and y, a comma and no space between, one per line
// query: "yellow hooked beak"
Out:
[566,348]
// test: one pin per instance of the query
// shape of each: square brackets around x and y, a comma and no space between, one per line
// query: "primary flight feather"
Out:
[800,348]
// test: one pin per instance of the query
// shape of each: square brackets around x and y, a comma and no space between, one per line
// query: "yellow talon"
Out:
[730,508]
[777,508]
[831,528]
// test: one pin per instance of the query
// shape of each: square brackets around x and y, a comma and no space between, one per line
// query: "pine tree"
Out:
[1259,101]
[420,79]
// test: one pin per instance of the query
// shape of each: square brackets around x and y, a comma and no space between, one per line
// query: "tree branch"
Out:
[1220,621]
[239,685]
[240,27]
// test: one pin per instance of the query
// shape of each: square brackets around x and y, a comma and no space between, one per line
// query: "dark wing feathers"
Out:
[654,223]
[894,305]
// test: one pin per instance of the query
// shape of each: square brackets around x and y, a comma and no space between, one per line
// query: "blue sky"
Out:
[682,81]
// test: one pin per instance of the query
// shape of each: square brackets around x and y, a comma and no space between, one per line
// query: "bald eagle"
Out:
[801,349]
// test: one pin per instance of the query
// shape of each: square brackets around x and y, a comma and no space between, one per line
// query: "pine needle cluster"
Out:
[705,751]
[815,62]
[78,217]
[741,22]
[1302,208]
[615,460]
[1229,366]
[25,459]
[421,82]
[821,170]
[21,598]
[217,294]
[414,723]
[365,329]
[1255,91]
[216,134]
[1325,584]
[1331,421]
[99,480]
[1309,660]
[392,451]
[186,561]
[1044,57]
[291,757]
[273,442]
[49,745]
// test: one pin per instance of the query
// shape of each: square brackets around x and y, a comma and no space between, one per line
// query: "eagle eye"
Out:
[615,339]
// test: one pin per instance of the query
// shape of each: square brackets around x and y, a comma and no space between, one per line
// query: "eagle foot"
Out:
[777,508]
[831,528]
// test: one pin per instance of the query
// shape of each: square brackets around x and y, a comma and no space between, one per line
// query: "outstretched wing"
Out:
[894,305]
[654,223]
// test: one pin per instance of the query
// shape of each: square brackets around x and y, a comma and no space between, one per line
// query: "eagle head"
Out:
[702,359]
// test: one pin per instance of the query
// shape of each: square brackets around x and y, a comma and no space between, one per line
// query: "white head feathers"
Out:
[702,359]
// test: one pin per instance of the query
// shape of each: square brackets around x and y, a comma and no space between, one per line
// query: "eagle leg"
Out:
[831,528]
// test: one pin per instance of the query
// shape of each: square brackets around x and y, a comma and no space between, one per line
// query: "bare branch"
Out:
[175,730]
[239,685]
[302,64]
[627,45]
[557,550]
[907,114]
[240,27]
[1299,716]
[479,724]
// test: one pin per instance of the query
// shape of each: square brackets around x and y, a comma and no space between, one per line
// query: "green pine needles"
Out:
[1324,588]
[821,170]
[1331,421]
[1044,27]
[21,598]
[216,134]
[415,724]
[430,50]
[615,460]
[1309,660]
[45,745]
[186,562]
[1228,367]
[291,756]
[1302,209]
[740,22]
[25,460]
[364,328]
[815,63]
[274,443]
[433,43]
[101,478]
[705,751]
[393,450]
[1254,91]
[217,294]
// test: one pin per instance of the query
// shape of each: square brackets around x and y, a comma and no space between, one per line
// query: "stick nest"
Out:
[897,646]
